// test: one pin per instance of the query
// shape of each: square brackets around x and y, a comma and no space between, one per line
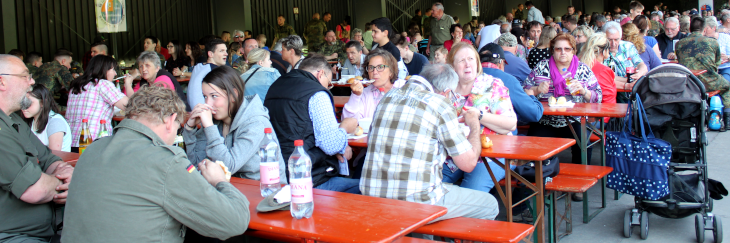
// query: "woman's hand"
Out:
[543,88]
[128,80]
[176,72]
[356,87]
[201,114]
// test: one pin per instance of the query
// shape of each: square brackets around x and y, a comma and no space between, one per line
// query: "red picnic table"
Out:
[516,148]
[341,217]
[67,157]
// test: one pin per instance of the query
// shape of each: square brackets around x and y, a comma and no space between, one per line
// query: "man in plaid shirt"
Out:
[413,131]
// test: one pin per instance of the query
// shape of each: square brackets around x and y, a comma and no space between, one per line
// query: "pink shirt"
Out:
[163,81]
[95,104]
[363,106]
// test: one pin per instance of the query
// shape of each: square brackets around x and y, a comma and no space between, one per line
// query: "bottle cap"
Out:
[267,130]
[85,120]
[298,142]
[103,122]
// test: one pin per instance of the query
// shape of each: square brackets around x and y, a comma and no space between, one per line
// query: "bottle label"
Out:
[301,190]
[81,150]
[269,173]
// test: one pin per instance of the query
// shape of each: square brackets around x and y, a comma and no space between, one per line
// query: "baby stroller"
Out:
[675,104]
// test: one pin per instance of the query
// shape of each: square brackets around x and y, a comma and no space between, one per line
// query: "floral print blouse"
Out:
[489,95]
[584,75]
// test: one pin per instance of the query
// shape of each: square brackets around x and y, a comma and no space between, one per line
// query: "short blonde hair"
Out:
[461,45]
[154,103]
[255,56]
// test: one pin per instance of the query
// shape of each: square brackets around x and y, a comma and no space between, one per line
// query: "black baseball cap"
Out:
[491,50]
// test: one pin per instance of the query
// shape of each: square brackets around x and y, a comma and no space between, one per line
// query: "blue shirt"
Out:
[651,60]
[417,63]
[328,135]
[260,82]
[527,107]
[516,67]
[650,42]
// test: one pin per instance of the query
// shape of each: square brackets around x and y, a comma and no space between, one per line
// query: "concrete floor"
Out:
[608,225]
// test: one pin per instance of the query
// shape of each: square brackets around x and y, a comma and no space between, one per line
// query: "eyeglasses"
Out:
[563,49]
[238,36]
[28,76]
[380,67]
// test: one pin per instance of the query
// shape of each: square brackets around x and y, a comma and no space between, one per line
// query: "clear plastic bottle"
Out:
[103,131]
[119,87]
[269,167]
[300,180]
[85,138]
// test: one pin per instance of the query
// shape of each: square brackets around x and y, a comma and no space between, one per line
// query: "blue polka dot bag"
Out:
[639,161]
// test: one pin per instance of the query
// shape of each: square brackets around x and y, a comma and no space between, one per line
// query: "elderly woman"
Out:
[581,34]
[457,36]
[631,34]
[259,74]
[491,97]
[548,79]
[593,54]
[151,72]
[644,24]
[357,36]
[542,51]
[382,69]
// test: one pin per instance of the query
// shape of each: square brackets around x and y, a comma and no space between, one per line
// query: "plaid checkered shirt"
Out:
[412,133]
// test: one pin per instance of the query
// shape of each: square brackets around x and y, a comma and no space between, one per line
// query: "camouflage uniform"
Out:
[697,52]
[284,31]
[519,15]
[31,68]
[238,65]
[339,47]
[54,76]
[314,32]
[426,26]
[76,68]
[656,28]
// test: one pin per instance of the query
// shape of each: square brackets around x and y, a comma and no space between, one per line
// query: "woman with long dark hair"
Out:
[177,59]
[93,97]
[232,126]
[193,54]
[45,122]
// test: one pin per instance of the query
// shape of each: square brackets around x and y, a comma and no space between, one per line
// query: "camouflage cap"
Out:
[507,39]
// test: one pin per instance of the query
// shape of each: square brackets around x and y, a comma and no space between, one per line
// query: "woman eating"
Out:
[490,96]
[231,126]
[45,122]
[152,74]
[259,74]
[382,69]
[93,96]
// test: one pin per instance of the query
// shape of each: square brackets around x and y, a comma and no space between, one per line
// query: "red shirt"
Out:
[449,43]
[605,78]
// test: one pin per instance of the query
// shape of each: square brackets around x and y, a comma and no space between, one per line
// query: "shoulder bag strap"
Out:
[249,77]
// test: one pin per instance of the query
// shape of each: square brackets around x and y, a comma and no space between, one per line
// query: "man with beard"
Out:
[332,48]
[31,176]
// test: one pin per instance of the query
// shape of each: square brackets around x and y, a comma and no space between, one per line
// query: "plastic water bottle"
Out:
[269,167]
[300,180]
[103,131]
[715,119]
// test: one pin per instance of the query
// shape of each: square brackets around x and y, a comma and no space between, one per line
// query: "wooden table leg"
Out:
[540,208]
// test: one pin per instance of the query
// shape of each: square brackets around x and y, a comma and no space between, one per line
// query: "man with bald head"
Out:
[31,176]
[248,45]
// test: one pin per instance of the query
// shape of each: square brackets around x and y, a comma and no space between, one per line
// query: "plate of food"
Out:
[560,102]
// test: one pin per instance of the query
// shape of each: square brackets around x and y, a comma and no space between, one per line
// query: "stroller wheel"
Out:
[627,224]
[700,228]
[717,229]
[644,230]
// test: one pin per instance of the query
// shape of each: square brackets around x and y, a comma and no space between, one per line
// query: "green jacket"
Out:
[314,32]
[697,52]
[54,76]
[132,187]
[339,47]
[284,31]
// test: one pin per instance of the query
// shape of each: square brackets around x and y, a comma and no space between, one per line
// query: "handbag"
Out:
[550,169]
[639,160]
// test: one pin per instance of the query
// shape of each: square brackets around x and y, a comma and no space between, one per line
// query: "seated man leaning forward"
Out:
[153,193]
[410,138]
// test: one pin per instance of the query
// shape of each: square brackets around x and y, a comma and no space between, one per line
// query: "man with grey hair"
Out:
[440,27]
[710,30]
[515,66]
[669,37]
[31,176]
[291,51]
[238,36]
[276,59]
[724,22]
[623,54]
[418,176]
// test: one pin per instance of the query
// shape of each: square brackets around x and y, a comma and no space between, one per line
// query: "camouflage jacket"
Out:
[314,32]
[284,31]
[697,52]
[54,76]
[31,68]
[238,65]
[655,29]
[426,26]
[327,49]
[519,15]
[76,68]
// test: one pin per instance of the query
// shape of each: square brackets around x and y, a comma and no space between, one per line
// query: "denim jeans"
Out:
[478,179]
[341,184]
[725,72]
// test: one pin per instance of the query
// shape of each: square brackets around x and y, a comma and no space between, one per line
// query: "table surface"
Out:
[67,157]
[587,109]
[342,217]
[182,79]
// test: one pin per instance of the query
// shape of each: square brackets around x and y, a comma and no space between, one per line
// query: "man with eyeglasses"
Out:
[514,65]
[302,108]
[282,29]
[411,136]
[56,75]
[667,39]
[622,54]
[238,36]
[31,176]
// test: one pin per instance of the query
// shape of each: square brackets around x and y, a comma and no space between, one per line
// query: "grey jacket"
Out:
[132,187]
[239,150]
[349,69]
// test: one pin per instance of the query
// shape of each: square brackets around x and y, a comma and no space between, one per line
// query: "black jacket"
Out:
[666,44]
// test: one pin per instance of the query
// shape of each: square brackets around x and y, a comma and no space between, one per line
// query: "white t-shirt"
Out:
[56,123]
[488,34]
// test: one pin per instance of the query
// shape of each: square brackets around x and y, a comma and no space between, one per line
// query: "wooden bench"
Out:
[712,93]
[523,130]
[292,239]
[478,230]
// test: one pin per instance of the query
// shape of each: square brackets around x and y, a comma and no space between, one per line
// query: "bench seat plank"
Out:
[478,230]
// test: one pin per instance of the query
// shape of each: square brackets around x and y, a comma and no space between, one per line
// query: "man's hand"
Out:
[349,124]
[471,117]
[212,172]
[346,156]
[63,172]
[428,50]
[671,56]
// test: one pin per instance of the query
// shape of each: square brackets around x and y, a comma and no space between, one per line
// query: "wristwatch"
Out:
[481,114]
